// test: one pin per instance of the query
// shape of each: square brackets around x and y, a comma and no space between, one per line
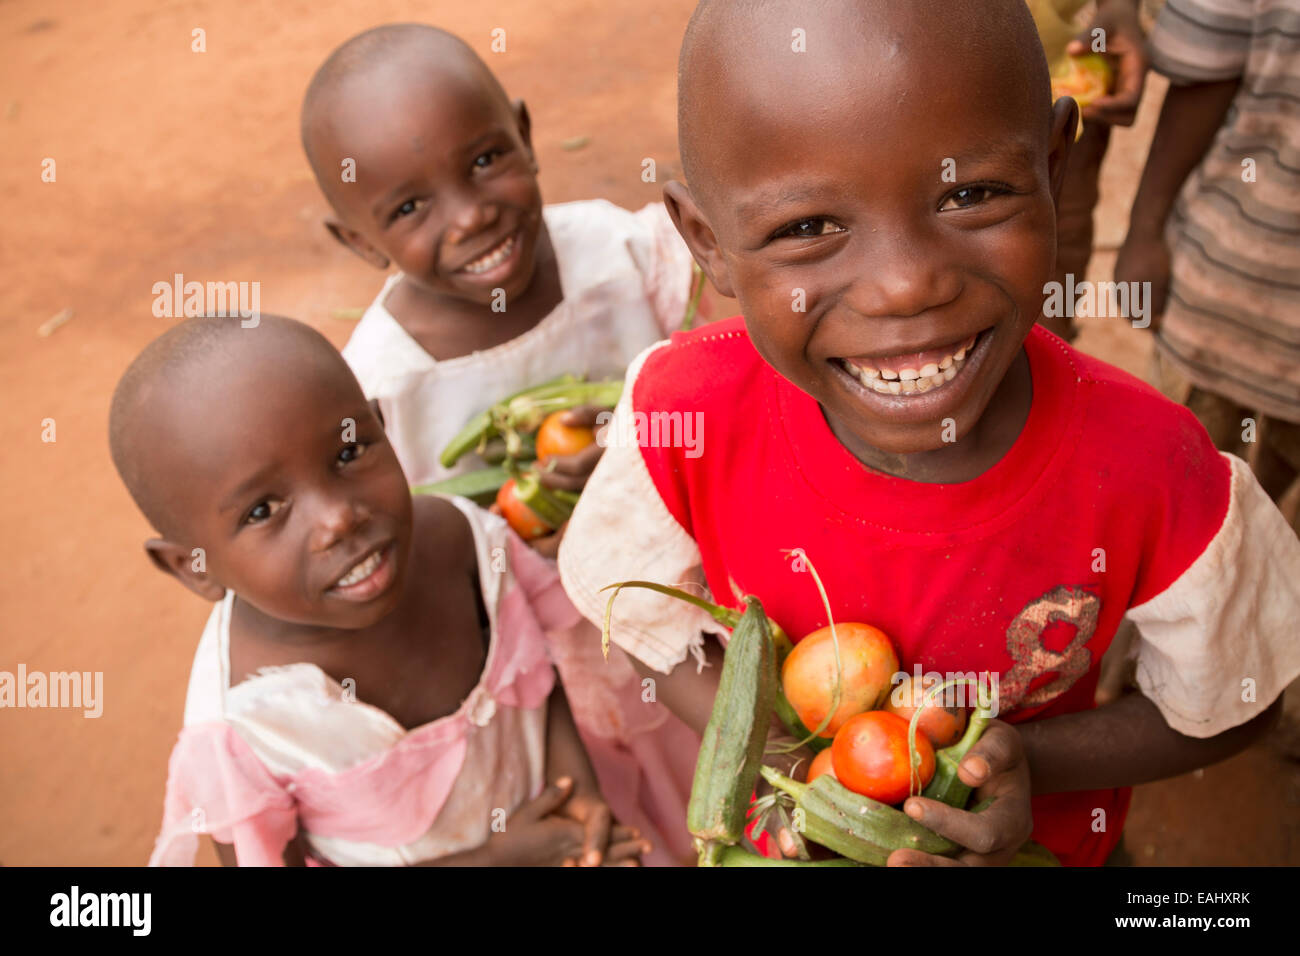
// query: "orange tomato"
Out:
[808,675]
[820,764]
[519,516]
[941,725]
[557,438]
[870,757]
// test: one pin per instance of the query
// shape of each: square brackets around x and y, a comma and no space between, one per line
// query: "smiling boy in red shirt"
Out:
[992,499]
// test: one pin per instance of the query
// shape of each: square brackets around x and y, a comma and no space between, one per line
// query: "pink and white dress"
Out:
[291,747]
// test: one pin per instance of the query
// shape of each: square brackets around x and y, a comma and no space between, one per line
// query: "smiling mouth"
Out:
[492,258]
[913,373]
[362,570]
[369,577]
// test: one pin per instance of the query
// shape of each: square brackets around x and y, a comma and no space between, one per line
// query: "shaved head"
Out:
[189,371]
[746,54]
[374,65]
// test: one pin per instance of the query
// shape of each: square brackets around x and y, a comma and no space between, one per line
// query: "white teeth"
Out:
[910,381]
[491,259]
[361,571]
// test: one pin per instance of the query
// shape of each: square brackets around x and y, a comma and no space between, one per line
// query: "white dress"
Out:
[625,278]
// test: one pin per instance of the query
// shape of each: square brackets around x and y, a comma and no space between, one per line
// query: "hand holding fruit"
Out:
[567,447]
[1126,48]
[996,767]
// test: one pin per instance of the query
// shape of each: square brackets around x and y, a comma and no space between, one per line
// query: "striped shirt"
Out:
[1232,323]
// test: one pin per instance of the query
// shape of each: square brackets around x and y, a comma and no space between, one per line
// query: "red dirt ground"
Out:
[173,161]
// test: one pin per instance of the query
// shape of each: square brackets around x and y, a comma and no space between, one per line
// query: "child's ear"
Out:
[525,123]
[357,243]
[697,232]
[185,565]
[1065,124]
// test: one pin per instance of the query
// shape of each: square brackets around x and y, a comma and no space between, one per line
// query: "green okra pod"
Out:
[479,486]
[731,749]
[854,826]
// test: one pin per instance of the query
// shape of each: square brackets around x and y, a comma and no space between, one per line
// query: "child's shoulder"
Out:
[715,364]
[442,529]
[1124,418]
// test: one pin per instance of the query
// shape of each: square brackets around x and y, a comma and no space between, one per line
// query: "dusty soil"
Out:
[169,160]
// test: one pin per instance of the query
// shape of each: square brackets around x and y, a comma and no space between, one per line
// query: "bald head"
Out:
[190,372]
[375,66]
[744,56]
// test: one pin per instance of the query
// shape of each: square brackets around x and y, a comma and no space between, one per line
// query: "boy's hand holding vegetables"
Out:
[997,768]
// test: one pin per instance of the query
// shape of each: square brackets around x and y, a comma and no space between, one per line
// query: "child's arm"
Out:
[566,758]
[1124,743]
[1121,744]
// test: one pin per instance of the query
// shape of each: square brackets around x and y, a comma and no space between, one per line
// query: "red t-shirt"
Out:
[1108,495]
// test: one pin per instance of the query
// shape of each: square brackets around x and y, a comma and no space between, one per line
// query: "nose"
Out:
[335,516]
[469,215]
[902,273]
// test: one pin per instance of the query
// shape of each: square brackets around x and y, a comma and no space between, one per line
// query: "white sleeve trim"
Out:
[1232,616]
[621,530]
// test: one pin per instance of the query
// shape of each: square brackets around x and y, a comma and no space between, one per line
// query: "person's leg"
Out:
[1074,216]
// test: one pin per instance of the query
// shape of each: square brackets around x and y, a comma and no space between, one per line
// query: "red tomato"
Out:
[808,675]
[941,725]
[870,756]
[820,764]
[520,517]
[557,438]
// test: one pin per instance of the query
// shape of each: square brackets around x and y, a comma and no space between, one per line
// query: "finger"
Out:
[584,416]
[548,546]
[626,850]
[624,863]
[570,472]
[785,841]
[917,858]
[595,835]
[496,510]
[988,831]
[997,751]
[621,834]
[548,801]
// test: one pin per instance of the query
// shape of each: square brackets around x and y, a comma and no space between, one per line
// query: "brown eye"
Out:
[262,511]
[969,196]
[809,228]
[351,452]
